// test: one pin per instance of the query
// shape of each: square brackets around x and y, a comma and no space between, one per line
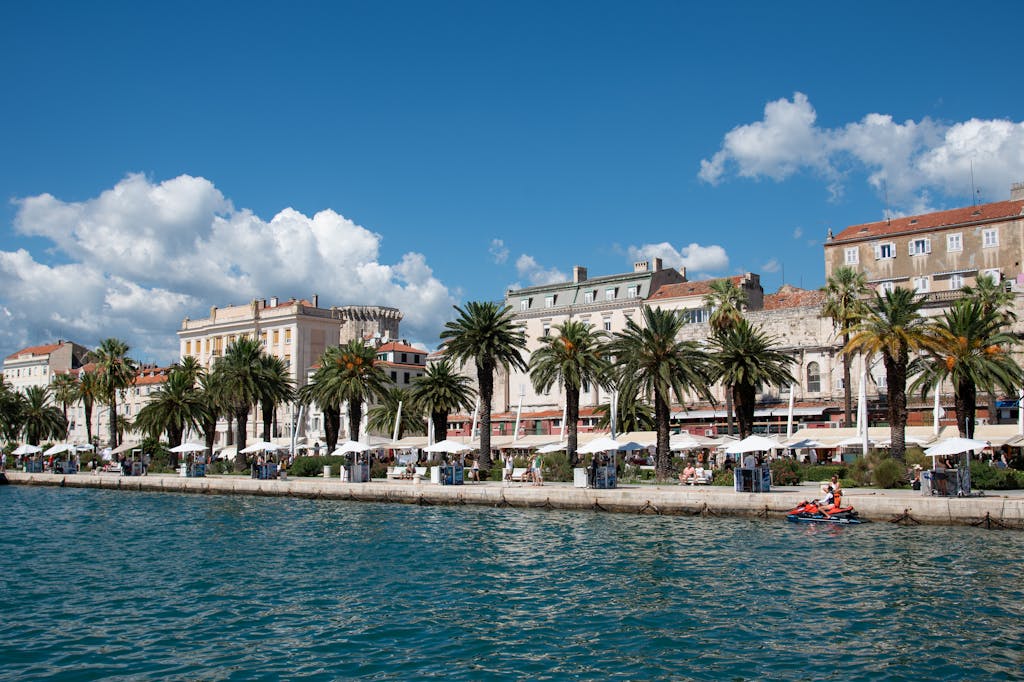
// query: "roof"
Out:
[792,297]
[395,346]
[35,350]
[684,289]
[985,213]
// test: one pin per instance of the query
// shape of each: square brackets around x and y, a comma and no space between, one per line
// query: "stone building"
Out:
[37,365]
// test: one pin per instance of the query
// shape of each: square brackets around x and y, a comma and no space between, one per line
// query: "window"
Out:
[288,361]
[886,287]
[885,250]
[416,359]
[188,348]
[920,246]
[813,378]
[990,237]
[276,337]
[609,294]
[920,285]
[394,376]
[524,304]
[954,242]
[287,335]
[994,274]
[633,291]
[696,315]
[607,324]
[956,282]
[852,255]
[588,296]
[405,358]
[546,330]
[549,301]
[405,377]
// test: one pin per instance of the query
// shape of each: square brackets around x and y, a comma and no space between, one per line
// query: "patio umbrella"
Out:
[552,447]
[85,447]
[350,446]
[683,441]
[955,446]
[27,449]
[752,444]
[189,447]
[604,444]
[59,448]
[450,446]
[805,443]
[127,446]
[261,446]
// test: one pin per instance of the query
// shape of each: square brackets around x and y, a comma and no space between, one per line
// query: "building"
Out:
[37,365]
[402,363]
[148,379]
[936,252]
[296,331]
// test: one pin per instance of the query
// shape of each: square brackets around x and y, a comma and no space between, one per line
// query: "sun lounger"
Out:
[701,477]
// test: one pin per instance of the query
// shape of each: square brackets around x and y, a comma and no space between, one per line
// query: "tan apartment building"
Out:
[936,252]
[37,365]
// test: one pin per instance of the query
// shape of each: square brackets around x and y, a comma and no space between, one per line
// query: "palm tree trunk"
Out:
[662,419]
[440,420]
[87,407]
[113,421]
[743,400]
[847,393]
[896,377]
[268,417]
[966,401]
[728,410]
[241,419]
[572,416]
[485,378]
[355,415]
[332,420]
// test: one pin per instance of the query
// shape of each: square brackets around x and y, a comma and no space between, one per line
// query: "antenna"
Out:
[974,190]
[885,189]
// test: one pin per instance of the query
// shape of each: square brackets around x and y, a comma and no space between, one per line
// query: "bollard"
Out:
[327,471]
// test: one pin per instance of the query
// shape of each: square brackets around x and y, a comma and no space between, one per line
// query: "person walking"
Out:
[538,478]
[508,469]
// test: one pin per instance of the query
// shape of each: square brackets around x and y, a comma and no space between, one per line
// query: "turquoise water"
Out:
[133,586]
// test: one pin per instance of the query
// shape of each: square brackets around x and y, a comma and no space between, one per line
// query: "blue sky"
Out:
[159,159]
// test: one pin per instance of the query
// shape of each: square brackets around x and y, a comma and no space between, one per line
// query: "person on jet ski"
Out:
[832,503]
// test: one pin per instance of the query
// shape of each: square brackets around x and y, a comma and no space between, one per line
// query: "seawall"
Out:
[991,510]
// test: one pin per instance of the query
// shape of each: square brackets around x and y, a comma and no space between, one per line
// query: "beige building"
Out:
[937,252]
[37,365]
[148,379]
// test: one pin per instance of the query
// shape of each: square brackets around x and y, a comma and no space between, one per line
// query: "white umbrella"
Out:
[683,441]
[805,443]
[350,446]
[552,447]
[59,448]
[451,446]
[261,446]
[852,440]
[955,446]
[85,447]
[752,444]
[27,449]
[127,446]
[604,444]
[189,447]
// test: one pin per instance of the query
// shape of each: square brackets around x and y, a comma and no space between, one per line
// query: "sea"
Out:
[114,585]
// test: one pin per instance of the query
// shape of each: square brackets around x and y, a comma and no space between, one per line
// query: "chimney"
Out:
[316,300]
[273,301]
[579,274]
[641,266]
[1017,191]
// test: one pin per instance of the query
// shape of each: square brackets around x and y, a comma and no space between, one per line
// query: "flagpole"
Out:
[789,419]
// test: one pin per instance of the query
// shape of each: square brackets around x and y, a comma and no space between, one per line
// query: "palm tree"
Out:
[65,390]
[171,409]
[89,392]
[971,349]
[632,413]
[276,387]
[382,415]
[213,406]
[656,362]
[486,334]
[40,419]
[238,374]
[844,303]
[12,406]
[727,303]
[190,366]
[744,359]
[347,373]
[441,391]
[991,296]
[116,372]
[893,327]
[574,358]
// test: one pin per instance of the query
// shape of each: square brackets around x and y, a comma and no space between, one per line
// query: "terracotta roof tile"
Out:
[999,210]
[793,297]
[392,346]
[35,350]
[683,289]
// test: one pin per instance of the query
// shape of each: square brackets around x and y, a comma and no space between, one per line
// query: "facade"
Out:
[296,331]
[37,365]
[401,362]
[148,379]
[937,252]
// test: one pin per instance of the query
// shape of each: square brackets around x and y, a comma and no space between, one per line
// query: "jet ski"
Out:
[810,512]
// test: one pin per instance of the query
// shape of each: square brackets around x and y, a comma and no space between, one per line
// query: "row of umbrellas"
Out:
[57,449]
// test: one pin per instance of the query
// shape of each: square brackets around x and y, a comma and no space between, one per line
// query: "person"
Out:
[508,468]
[1001,463]
[750,461]
[827,500]
[915,481]
[832,482]
[689,473]
[474,472]
[592,474]
[728,463]
[316,449]
[538,477]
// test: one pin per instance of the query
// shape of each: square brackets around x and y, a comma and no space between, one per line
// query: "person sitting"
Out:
[688,475]
[410,470]
[834,505]
[827,499]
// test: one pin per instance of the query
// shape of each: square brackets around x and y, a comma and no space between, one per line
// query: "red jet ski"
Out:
[811,512]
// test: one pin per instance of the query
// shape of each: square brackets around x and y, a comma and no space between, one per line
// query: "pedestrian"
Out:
[538,479]
[508,469]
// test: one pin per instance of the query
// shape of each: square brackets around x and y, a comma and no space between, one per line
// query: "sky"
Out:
[160,159]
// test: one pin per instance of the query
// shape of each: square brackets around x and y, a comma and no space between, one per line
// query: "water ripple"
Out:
[118,586]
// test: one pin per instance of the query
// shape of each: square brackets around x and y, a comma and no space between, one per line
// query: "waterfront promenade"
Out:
[998,509]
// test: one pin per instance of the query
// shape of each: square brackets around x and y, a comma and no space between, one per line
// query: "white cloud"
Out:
[144,255]
[912,160]
[696,258]
[529,269]
[498,251]
[798,232]
[771,266]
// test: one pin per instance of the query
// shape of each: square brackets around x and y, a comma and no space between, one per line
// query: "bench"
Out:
[702,477]
[520,474]
[398,472]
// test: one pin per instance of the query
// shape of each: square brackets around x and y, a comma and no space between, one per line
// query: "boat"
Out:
[808,512]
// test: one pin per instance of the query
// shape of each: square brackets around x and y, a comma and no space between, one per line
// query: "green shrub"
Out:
[314,466]
[378,469]
[859,473]
[986,477]
[785,471]
[556,467]
[822,472]
[724,477]
[888,473]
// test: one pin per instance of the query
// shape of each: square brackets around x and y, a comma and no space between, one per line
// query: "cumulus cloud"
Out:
[498,251]
[912,160]
[143,255]
[696,258]
[798,232]
[771,266]
[530,270]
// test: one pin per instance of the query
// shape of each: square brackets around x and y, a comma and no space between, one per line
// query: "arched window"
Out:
[813,378]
